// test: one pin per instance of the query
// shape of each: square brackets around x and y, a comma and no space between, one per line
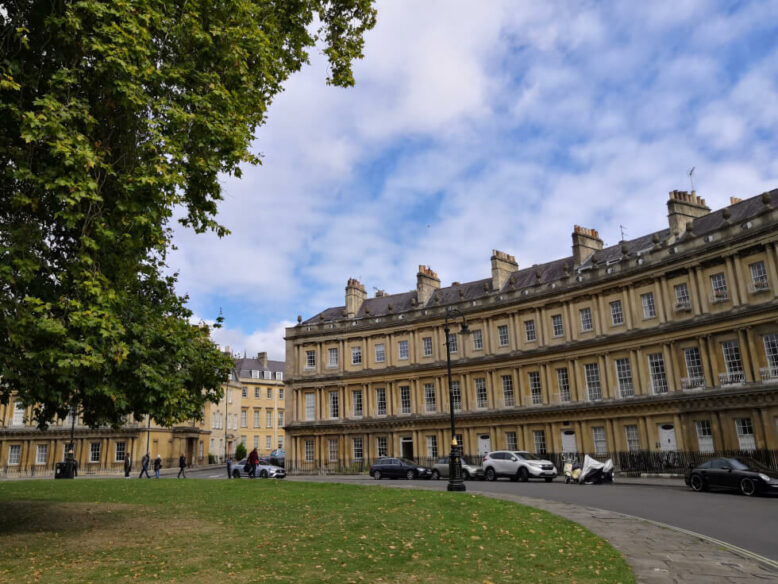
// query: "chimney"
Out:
[503,265]
[427,282]
[585,243]
[262,358]
[683,208]
[355,296]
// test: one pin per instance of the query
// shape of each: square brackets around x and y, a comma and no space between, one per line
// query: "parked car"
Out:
[264,470]
[394,468]
[517,465]
[469,471]
[737,473]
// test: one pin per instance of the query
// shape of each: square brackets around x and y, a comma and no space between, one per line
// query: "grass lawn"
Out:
[193,531]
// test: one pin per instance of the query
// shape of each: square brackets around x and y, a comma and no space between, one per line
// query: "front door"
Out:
[484,444]
[406,445]
[667,438]
[568,441]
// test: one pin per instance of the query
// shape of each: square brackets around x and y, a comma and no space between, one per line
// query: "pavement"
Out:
[657,553]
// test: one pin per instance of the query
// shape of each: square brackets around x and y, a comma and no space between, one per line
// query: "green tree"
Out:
[113,114]
[240,451]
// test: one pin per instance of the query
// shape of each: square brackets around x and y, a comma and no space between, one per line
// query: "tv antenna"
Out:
[621,228]
[691,177]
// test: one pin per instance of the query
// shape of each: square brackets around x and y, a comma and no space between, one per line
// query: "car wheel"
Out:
[263,474]
[747,487]
[465,475]
[523,475]
[410,475]
[377,475]
[490,474]
[236,474]
[435,475]
[696,483]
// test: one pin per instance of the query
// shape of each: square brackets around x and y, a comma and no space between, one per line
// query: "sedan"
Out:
[440,469]
[264,471]
[398,468]
[737,473]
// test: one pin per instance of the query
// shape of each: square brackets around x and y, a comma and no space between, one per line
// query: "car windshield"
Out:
[527,456]
[748,464]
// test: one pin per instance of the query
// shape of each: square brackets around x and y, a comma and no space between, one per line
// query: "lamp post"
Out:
[455,481]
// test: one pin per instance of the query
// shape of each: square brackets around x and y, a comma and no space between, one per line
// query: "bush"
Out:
[240,451]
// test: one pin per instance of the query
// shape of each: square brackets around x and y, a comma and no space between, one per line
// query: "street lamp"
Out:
[455,481]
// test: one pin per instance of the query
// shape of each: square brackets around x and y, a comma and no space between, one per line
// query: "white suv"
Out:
[517,465]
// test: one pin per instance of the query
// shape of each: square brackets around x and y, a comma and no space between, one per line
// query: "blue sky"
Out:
[481,126]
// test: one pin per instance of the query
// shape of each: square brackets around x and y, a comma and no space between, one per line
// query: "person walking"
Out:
[127,466]
[253,462]
[181,466]
[144,466]
[157,465]
[229,467]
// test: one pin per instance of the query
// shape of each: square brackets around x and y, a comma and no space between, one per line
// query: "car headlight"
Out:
[421,469]
[764,477]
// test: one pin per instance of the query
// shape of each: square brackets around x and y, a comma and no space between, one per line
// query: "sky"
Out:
[482,126]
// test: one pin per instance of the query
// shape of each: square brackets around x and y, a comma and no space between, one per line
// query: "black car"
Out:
[737,473]
[394,468]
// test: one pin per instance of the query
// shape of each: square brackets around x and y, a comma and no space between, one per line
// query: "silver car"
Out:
[518,465]
[440,469]
[264,471]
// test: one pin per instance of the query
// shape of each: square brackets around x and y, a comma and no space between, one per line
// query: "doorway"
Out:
[569,443]
[406,447]
[484,444]
[667,441]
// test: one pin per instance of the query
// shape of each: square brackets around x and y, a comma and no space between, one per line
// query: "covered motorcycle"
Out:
[594,472]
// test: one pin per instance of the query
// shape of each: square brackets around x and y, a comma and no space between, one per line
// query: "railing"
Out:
[682,306]
[722,296]
[758,286]
[732,378]
[769,374]
[658,386]
[692,383]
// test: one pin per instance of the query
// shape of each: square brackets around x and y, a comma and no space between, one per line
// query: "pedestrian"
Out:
[127,466]
[157,465]
[253,462]
[144,466]
[229,468]
[181,466]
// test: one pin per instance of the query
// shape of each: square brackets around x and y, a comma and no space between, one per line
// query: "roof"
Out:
[245,365]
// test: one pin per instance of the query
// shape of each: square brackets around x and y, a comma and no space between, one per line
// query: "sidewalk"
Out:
[656,553]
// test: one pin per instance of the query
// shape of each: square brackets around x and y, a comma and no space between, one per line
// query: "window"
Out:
[356,448]
[381,446]
[269,393]
[267,374]
[771,353]
[268,419]
[380,400]
[256,418]
[564,384]
[281,418]
[256,393]
[694,373]
[633,439]
[649,310]
[556,324]
[256,442]
[308,450]
[600,442]
[429,397]
[310,406]
[745,434]
[42,454]
[624,377]
[586,320]
[656,370]
[243,440]
[432,446]
[704,436]
[719,285]
[540,441]
[502,334]
[478,341]
[279,375]
[14,454]
[617,314]
[456,395]
[380,353]
[267,442]
[732,363]
[94,452]
[593,388]
[254,374]
[405,399]
[243,422]
[310,359]
[332,357]
[334,405]
[534,387]
[280,393]
[507,391]
[356,355]
[758,276]
[426,344]
[481,400]
[332,450]
[244,393]
[356,397]
[121,451]
[18,414]
[682,301]
[510,441]
[452,342]
[402,349]
[529,330]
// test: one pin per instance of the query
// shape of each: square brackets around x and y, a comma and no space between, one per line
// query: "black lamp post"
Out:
[455,481]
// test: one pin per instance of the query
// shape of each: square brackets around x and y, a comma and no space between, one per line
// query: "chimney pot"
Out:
[503,265]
